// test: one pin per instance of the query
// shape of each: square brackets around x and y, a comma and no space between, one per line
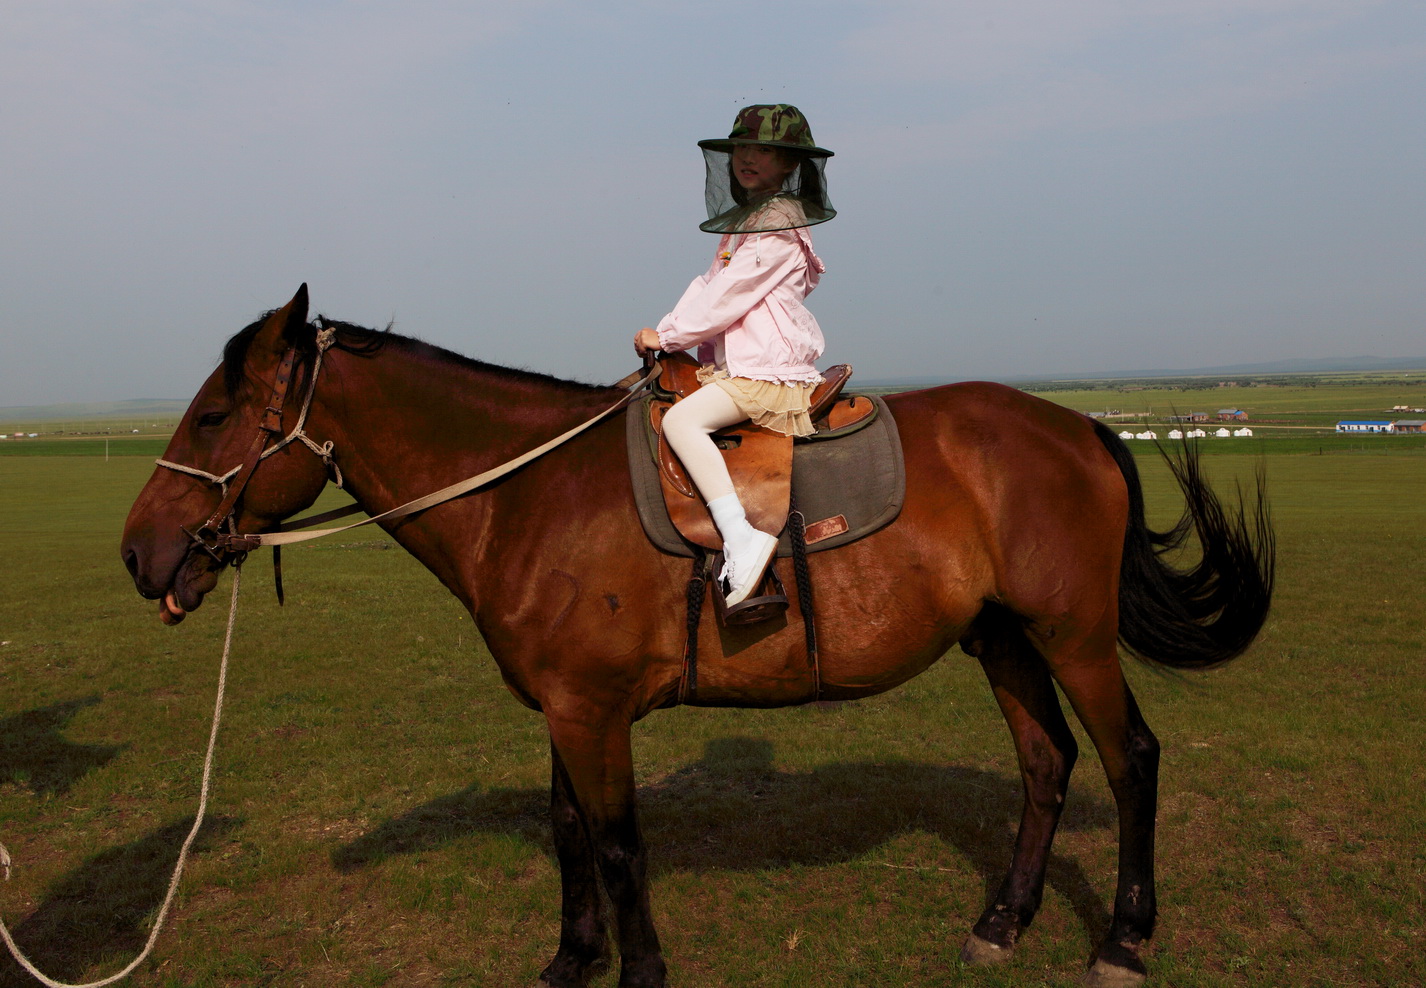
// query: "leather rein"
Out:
[232,546]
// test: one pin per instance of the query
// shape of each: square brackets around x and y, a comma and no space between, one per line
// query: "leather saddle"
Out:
[759,460]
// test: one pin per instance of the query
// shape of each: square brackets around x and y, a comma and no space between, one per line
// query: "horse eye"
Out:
[209,419]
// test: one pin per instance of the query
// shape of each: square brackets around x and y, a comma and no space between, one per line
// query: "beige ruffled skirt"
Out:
[780,407]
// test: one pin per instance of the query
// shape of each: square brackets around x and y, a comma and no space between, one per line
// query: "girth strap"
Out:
[797,528]
[697,587]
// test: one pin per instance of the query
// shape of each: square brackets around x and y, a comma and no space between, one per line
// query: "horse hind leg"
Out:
[1135,784]
[1093,682]
[1046,751]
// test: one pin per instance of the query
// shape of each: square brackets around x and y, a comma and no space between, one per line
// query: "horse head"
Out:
[165,548]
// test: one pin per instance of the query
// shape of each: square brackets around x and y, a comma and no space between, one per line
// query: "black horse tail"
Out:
[1206,615]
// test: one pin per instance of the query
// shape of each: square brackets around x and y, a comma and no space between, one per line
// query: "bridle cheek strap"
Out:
[270,426]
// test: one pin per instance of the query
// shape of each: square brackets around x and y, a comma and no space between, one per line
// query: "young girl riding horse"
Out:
[756,342]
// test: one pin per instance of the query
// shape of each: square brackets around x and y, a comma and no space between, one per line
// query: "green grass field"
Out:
[378,816]
[149,447]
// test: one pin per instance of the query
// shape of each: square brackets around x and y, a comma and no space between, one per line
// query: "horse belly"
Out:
[879,641]
[883,614]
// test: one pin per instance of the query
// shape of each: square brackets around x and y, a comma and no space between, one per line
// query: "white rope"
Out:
[183,851]
[212,478]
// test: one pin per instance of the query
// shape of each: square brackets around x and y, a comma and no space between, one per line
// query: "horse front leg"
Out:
[583,946]
[597,831]
[1046,750]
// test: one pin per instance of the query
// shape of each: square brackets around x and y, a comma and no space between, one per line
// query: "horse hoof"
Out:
[979,952]
[1106,975]
[592,970]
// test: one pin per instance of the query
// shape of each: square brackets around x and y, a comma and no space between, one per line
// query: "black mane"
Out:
[366,342]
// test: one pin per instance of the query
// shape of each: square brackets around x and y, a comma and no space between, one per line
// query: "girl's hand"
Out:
[645,340]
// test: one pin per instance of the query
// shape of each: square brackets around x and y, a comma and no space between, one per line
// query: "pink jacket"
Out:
[753,306]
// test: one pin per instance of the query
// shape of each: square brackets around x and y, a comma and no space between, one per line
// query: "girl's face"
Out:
[761,170]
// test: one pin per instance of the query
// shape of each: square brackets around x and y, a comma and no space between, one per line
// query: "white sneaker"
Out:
[743,570]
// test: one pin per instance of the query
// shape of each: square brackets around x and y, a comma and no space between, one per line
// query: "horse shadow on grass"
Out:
[101,913]
[35,755]
[733,810]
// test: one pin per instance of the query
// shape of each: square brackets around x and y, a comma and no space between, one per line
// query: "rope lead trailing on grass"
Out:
[187,842]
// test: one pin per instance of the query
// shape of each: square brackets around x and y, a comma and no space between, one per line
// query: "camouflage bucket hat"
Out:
[773,124]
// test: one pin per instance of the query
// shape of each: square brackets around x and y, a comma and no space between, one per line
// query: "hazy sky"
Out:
[1024,186]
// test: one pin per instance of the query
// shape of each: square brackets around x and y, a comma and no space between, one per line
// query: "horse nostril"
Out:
[131,560]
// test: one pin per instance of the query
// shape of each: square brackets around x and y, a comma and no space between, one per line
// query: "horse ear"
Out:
[284,328]
[296,310]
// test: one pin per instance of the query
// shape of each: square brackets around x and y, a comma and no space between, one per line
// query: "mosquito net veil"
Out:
[801,200]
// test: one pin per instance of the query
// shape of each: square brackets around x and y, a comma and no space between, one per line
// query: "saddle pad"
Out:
[847,485]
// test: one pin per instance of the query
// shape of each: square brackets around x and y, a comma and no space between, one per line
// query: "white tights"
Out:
[687,427]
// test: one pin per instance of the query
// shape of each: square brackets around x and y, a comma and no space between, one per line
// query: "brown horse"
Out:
[1022,539]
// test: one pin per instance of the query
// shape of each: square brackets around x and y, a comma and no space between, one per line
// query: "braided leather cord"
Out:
[797,526]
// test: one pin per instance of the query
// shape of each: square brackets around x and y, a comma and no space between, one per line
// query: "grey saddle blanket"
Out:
[854,477]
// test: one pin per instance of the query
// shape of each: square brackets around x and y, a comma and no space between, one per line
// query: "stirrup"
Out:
[770,602]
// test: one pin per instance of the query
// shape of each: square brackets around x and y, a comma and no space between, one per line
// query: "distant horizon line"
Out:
[1325,365]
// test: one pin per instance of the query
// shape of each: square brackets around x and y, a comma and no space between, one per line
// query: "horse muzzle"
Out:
[179,587]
